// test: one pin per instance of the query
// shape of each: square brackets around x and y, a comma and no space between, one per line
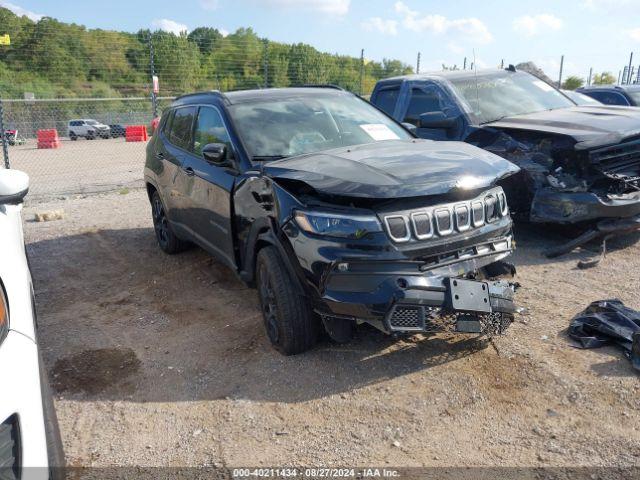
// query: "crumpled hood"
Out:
[590,126]
[394,168]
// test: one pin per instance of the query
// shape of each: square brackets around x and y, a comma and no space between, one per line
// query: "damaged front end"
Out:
[431,267]
[571,183]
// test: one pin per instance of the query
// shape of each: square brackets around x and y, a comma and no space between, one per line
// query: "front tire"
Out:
[167,239]
[291,325]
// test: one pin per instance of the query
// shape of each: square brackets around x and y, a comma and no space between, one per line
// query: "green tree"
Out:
[604,78]
[572,82]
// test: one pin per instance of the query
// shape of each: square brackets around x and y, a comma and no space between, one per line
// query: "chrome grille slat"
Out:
[447,219]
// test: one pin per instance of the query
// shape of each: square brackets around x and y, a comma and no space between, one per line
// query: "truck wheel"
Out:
[168,241]
[291,325]
[73,136]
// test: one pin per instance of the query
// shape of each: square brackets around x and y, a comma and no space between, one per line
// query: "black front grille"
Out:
[491,208]
[397,227]
[10,449]
[422,225]
[406,318]
[443,221]
[619,161]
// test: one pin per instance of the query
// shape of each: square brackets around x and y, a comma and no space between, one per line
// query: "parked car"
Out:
[29,435]
[87,128]
[580,98]
[580,165]
[621,95]
[117,130]
[337,213]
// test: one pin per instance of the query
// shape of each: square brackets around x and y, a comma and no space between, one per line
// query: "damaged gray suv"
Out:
[580,165]
[335,212]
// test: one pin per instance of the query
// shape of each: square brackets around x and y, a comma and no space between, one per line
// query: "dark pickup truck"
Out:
[580,165]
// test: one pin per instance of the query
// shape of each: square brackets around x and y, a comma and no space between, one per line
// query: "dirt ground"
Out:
[162,360]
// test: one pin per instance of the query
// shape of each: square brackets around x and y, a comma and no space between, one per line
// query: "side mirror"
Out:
[215,154]
[14,185]
[437,120]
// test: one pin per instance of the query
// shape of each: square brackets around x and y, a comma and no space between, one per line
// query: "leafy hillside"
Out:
[56,59]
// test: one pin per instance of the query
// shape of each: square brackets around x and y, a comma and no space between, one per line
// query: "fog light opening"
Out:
[402,283]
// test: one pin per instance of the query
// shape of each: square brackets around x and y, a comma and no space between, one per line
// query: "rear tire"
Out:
[291,325]
[167,239]
[73,136]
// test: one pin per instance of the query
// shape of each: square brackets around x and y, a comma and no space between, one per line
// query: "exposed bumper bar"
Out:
[575,207]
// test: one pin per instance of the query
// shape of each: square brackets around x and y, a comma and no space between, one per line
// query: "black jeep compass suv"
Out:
[335,211]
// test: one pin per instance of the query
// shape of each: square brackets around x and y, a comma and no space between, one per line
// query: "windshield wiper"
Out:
[267,158]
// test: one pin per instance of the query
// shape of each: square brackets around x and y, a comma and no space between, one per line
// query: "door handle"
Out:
[188,171]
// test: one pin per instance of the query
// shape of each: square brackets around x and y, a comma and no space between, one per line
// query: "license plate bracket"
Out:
[469,295]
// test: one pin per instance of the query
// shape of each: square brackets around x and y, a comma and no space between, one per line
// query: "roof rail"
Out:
[319,85]
[206,92]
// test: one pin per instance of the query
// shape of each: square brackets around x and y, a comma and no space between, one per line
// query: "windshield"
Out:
[635,96]
[498,95]
[580,99]
[276,128]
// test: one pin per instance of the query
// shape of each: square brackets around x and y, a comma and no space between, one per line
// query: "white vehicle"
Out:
[30,445]
[87,128]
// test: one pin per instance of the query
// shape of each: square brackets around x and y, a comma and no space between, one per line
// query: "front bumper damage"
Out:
[400,297]
[552,206]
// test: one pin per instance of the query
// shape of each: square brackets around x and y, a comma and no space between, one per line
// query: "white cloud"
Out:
[455,48]
[377,24]
[209,4]
[608,4]
[532,25]
[474,29]
[331,7]
[169,25]
[634,34]
[21,12]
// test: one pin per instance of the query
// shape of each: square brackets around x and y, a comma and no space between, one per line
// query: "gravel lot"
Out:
[86,166]
[160,360]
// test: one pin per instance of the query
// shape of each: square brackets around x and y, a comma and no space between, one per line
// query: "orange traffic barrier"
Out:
[48,138]
[136,133]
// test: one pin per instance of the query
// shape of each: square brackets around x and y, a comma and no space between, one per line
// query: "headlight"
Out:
[4,315]
[336,225]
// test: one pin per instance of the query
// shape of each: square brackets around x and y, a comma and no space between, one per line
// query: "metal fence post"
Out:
[361,70]
[265,62]
[154,99]
[591,76]
[629,69]
[5,147]
[418,63]
[560,75]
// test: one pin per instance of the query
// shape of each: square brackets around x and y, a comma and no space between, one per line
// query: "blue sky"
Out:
[598,33]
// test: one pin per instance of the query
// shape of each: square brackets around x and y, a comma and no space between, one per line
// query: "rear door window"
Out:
[181,127]
[386,99]
[610,98]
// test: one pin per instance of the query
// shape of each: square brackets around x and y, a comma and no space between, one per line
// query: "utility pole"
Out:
[620,76]
[625,71]
[590,76]
[561,67]
[361,70]
[154,99]
[418,64]
[464,63]
[502,64]
[630,63]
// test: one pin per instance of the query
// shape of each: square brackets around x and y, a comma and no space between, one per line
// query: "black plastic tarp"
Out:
[606,322]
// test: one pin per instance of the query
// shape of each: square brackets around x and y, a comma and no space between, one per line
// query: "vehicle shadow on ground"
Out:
[533,240]
[120,320]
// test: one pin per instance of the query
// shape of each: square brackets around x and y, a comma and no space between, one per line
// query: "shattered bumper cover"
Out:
[395,298]
[576,207]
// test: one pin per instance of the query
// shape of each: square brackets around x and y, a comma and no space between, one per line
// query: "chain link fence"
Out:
[54,75]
